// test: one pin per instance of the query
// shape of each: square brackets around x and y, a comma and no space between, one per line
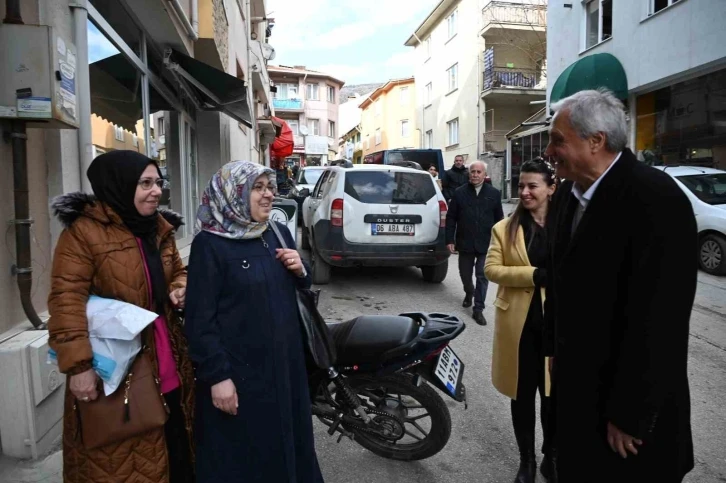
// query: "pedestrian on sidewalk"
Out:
[474,209]
[516,263]
[111,241]
[254,418]
[455,177]
[618,303]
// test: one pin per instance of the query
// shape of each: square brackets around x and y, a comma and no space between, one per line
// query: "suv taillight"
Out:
[336,212]
[442,213]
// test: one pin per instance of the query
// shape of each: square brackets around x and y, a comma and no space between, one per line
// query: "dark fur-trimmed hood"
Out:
[69,207]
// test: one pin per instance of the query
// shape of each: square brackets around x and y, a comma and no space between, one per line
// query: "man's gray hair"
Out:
[597,111]
[484,165]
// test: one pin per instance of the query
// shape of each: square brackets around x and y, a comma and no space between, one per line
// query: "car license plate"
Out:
[449,369]
[392,229]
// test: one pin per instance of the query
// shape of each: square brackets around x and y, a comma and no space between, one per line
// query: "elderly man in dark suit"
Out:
[473,210]
[622,279]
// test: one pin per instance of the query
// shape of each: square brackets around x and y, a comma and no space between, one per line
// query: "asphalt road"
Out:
[482,446]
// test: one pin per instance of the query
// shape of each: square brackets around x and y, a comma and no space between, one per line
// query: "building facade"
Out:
[480,64]
[145,75]
[672,52]
[308,101]
[388,119]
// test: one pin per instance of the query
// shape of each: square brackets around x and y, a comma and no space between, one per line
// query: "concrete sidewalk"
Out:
[46,470]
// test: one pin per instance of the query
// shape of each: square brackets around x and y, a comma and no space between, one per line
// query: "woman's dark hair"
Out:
[536,165]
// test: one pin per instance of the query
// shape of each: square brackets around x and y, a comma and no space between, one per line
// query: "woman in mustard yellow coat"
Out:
[515,262]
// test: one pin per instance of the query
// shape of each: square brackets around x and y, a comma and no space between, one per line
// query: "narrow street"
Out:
[482,446]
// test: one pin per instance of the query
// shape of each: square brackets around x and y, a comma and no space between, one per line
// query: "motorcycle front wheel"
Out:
[416,421]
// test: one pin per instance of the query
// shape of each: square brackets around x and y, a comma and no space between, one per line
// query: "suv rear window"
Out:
[309,176]
[390,187]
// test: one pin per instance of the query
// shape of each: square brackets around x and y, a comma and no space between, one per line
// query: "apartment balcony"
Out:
[288,105]
[502,83]
[499,17]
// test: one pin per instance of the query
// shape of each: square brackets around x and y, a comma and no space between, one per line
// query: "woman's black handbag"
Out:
[319,341]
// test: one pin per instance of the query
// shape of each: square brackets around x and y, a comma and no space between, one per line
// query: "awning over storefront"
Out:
[116,92]
[210,88]
[538,121]
[591,72]
[283,145]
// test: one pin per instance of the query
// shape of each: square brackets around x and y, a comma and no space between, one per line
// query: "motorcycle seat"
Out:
[367,338]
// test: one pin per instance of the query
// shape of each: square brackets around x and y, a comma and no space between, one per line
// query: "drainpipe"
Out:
[192,32]
[23,269]
[83,84]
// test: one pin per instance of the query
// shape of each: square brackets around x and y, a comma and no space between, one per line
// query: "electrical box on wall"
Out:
[31,399]
[37,77]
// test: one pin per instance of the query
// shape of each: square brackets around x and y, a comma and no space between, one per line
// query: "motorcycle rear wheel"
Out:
[393,394]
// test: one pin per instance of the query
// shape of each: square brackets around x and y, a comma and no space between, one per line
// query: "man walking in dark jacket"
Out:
[457,176]
[473,210]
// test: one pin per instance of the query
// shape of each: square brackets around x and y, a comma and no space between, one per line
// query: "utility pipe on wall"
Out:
[192,32]
[83,86]
[23,268]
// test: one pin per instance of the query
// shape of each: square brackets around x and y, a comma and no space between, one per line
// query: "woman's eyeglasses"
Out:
[261,188]
[148,183]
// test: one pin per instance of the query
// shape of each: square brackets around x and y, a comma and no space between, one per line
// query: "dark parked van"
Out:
[424,157]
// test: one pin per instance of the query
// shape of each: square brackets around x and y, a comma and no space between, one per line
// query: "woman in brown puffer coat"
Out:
[118,245]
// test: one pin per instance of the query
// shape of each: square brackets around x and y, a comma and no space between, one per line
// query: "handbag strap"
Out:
[273,225]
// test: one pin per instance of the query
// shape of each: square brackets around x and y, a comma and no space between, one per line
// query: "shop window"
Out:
[684,123]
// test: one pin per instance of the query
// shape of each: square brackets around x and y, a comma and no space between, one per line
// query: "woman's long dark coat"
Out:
[242,324]
[619,299]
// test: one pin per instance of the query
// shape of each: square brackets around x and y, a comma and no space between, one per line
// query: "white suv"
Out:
[376,215]
[706,188]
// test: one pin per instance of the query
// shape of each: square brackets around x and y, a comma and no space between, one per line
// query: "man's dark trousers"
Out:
[472,264]
[469,223]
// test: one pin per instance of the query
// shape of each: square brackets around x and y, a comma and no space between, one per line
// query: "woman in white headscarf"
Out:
[253,418]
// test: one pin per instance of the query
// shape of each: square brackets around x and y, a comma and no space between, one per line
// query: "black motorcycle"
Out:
[379,391]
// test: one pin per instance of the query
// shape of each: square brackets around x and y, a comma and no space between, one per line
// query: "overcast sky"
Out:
[357,41]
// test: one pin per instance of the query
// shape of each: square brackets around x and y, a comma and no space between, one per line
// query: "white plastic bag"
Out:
[114,329]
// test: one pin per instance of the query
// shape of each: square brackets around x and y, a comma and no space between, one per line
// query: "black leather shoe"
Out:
[527,469]
[548,468]
[467,301]
[479,317]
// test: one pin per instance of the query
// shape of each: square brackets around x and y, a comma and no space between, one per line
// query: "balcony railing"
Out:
[508,13]
[505,77]
[288,104]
